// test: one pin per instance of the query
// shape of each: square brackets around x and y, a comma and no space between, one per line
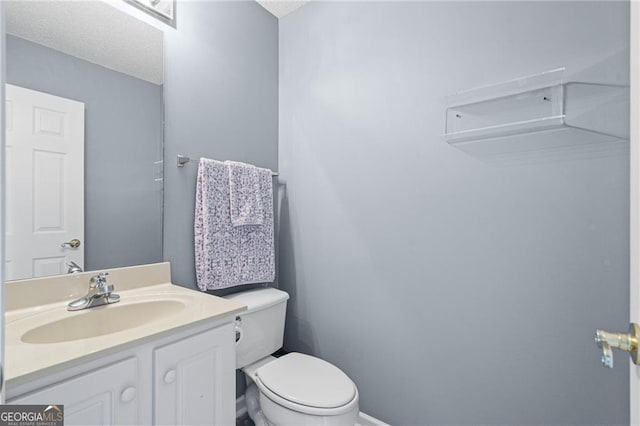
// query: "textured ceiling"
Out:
[93,31]
[282,8]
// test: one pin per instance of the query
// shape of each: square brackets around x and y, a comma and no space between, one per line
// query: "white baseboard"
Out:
[367,420]
[363,419]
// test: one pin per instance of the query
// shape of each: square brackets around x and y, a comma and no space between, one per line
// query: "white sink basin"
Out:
[102,320]
[41,334]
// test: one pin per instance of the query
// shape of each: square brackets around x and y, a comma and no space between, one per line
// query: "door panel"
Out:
[45,177]
[634,142]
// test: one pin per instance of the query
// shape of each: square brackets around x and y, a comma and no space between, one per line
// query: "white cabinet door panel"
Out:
[106,396]
[194,379]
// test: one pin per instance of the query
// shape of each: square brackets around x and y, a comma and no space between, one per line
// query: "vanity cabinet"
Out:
[191,379]
[105,396]
[184,377]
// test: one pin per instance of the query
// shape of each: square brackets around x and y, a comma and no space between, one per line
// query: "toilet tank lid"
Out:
[260,298]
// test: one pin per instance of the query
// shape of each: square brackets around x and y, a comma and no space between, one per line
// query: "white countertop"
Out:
[23,359]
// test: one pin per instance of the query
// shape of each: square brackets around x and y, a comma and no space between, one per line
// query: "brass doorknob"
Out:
[75,243]
[623,341]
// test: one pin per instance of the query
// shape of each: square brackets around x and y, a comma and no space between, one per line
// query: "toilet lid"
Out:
[307,380]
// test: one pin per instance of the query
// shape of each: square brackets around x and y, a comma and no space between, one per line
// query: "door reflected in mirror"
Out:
[45,183]
[83,138]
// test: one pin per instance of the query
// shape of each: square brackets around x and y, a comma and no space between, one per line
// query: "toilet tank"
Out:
[259,329]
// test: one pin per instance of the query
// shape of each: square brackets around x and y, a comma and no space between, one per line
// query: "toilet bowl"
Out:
[294,389]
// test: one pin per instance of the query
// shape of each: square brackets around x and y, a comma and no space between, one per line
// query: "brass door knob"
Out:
[623,341]
[75,243]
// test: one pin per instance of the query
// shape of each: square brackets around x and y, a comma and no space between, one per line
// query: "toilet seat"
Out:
[307,384]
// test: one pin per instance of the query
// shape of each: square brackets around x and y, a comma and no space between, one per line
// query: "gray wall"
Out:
[221,102]
[123,137]
[451,291]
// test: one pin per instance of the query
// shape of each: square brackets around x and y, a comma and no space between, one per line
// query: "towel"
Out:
[228,255]
[245,195]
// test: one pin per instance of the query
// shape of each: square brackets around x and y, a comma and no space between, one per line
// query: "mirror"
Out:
[83,138]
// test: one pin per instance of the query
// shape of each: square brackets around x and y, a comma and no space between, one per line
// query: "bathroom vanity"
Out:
[162,355]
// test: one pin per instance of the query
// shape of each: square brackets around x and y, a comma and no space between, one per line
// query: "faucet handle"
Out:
[99,280]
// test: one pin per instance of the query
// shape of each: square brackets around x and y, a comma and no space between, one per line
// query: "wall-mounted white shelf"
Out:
[537,112]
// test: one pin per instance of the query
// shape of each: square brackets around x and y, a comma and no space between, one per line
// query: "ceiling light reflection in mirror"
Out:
[164,10]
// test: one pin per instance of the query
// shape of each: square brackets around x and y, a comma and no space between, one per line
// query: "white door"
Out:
[45,183]
[631,341]
[634,293]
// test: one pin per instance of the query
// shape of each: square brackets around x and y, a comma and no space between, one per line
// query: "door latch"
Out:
[623,341]
[75,243]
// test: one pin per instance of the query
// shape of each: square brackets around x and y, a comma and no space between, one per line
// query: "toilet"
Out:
[294,389]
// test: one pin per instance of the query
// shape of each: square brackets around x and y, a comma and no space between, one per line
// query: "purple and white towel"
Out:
[245,195]
[228,255]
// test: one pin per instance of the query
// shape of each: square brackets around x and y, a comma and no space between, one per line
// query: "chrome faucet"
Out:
[74,268]
[100,293]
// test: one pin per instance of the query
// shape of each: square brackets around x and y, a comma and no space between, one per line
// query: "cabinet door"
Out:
[194,379]
[106,396]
